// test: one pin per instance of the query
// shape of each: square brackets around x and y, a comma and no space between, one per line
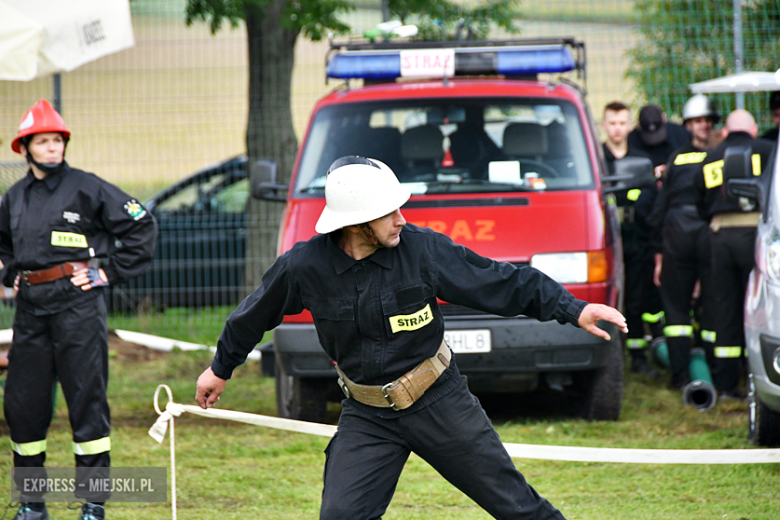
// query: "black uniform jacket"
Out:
[709,181]
[678,189]
[636,228]
[378,317]
[71,216]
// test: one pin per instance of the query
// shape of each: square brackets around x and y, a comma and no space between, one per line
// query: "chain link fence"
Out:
[177,102]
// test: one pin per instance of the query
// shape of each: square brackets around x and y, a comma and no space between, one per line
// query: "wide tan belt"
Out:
[404,391]
[722,220]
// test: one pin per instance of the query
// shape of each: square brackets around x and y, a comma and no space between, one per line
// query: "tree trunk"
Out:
[269,134]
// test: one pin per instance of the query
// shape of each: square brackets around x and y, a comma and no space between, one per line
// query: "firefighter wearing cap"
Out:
[681,239]
[58,233]
[732,223]
[371,282]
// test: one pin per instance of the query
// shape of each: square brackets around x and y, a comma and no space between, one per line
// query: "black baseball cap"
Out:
[652,127]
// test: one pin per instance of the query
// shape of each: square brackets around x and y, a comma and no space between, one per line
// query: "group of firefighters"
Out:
[66,234]
[688,245]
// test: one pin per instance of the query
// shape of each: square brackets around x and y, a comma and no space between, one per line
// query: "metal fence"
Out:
[177,102]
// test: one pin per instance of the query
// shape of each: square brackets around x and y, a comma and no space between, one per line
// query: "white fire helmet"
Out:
[700,106]
[359,190]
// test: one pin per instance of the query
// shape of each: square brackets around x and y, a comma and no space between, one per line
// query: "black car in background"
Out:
[200,253]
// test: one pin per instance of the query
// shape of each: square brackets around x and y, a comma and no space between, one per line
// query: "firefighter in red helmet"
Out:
[58,232]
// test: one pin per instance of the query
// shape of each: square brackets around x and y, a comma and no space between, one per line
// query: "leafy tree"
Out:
[688,41]
[272,29]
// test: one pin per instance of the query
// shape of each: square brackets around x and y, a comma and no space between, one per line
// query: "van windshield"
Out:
[454,145]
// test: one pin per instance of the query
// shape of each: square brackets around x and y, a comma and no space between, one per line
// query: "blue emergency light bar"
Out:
[509,61]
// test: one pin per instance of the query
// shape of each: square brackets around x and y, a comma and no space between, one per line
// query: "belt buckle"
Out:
[344,388]
[387,395]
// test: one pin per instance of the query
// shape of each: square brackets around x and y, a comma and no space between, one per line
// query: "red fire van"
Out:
[504,163]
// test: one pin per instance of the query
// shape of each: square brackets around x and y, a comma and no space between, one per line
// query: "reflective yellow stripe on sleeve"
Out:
[728,352]
[92,447]
[633,195]
[678,331]
[652,318]
[28,449]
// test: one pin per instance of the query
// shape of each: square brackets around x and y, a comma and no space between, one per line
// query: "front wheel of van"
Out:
[598,394]
[301,398]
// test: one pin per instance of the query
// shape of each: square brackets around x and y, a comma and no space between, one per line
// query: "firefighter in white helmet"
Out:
[371,282]
[682,243]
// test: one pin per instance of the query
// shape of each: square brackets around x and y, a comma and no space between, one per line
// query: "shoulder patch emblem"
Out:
[413,321]
[134,209]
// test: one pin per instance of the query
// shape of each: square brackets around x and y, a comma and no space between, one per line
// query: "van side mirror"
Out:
[630,173]
[263,182]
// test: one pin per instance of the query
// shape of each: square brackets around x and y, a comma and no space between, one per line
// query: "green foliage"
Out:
[688,41]
[436,19]
[312,17]
[446,20]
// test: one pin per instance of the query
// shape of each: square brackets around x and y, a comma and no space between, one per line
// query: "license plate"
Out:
[468,341]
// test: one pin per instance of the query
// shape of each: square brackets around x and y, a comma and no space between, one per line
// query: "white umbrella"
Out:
[741,82]
[43,37]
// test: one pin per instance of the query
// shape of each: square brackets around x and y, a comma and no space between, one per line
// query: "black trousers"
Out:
[642,298]
[70,346]
[732,261]
[687,258]
[367,454]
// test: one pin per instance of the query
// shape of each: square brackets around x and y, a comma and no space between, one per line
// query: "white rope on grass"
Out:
[519,451]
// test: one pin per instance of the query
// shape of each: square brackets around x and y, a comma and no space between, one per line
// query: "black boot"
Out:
[90,511]
[639,365]
[31,511]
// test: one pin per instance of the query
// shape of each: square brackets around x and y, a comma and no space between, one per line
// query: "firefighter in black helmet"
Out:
[58,233]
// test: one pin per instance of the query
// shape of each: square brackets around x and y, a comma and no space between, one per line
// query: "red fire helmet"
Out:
[40,118]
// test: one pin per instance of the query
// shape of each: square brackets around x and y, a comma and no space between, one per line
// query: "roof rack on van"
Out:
[387,61]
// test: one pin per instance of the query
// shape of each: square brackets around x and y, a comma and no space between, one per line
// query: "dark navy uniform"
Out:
[60,330]
[378,318]
[683,238]
[642,300]
[733,235]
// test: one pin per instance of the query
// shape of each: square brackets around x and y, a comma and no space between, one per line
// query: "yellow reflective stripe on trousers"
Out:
[636,343]
[678,331]
[652,318]
[728,352]
[92,447]
[28,449]
[708,335]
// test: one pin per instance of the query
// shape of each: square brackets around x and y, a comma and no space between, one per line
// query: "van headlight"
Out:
[590,267]
[563,267]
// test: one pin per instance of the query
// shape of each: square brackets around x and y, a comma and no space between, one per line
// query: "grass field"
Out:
[231,471]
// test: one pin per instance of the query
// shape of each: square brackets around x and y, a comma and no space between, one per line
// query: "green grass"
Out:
[230,470]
